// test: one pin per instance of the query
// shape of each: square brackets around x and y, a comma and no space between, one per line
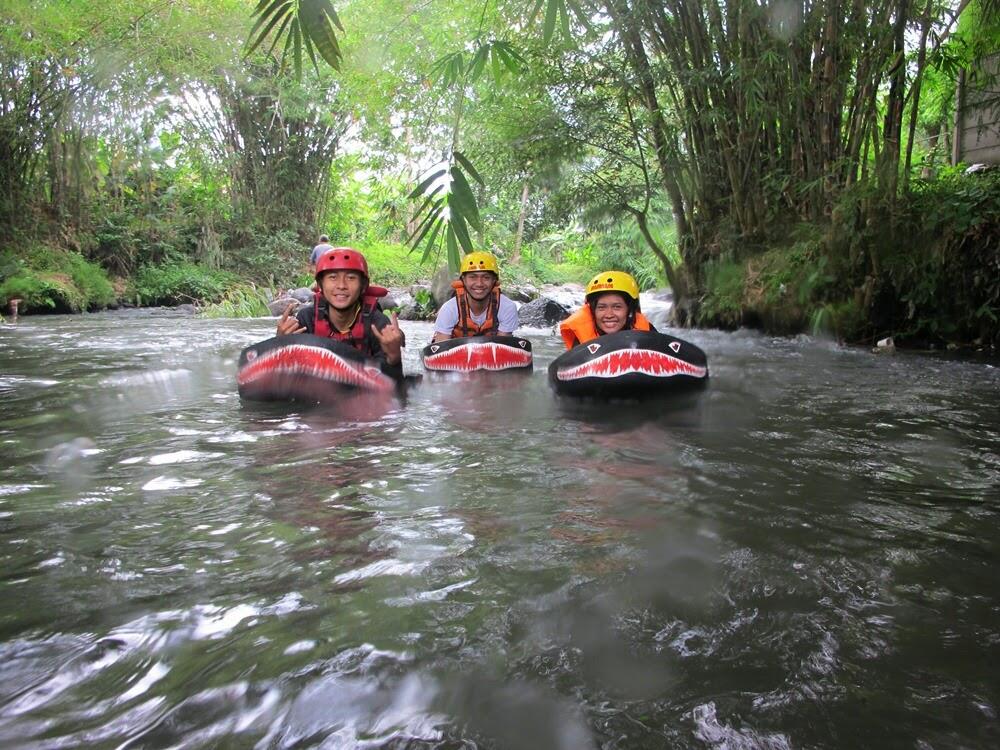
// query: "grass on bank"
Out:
[48,278]
[54,280]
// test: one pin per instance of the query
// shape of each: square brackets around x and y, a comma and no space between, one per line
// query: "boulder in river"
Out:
[278,306]
[440,286]
[569,296]
[541,313]
[886,346]
[520,293]
[397,298]
[302,294]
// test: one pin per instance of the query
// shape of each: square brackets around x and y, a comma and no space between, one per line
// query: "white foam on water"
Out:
[152,377]
[225,529]
[157,672]
[213,623]
[179,457]
[715,734]
[18,489]
[382,568]
[52,562]
[169,483]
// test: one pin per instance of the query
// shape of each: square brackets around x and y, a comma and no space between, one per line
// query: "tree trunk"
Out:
[673,278]
[637,56]
[893,127]
[915,104]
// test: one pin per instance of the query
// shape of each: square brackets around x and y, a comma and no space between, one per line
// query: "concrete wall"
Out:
[977,114]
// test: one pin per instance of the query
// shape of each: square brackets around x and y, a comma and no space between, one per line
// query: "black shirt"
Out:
[306,316]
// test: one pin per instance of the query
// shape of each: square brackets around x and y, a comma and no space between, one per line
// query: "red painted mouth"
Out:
[478,356]
[626,361]
[313,362]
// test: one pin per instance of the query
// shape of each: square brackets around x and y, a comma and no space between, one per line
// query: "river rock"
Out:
[569,296]
[409,312]
[399,297]
[414,311]
[278,306]
[541,312]
[886,346]
[302,294]
[187,308]
[441,286]
[521,292]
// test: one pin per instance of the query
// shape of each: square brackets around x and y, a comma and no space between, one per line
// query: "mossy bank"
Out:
[925,271]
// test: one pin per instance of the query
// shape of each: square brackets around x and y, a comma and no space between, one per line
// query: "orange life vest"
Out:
[580,328]
[466,326]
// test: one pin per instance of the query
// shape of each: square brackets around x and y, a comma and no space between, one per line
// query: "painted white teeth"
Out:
[334,368]
[447,360]
[626,361]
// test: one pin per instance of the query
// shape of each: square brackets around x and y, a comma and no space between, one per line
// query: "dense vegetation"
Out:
[781,164]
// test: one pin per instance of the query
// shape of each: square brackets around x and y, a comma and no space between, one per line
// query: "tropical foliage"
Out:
[729,148]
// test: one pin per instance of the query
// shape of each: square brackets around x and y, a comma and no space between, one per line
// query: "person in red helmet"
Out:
[346,309]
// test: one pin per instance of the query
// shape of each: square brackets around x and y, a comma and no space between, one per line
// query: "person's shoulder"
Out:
[449,304]
[507,307]
[447,316]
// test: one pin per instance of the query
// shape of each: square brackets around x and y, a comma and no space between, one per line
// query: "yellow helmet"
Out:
[613,281]
[479,261]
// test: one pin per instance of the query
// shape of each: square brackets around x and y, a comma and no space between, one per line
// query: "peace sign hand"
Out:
[391,339]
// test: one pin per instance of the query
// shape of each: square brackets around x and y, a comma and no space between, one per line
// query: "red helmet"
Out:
[342,259]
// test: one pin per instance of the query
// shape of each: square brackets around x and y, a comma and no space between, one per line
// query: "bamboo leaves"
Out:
[559,12]
[450,217]
[304,24]
[501,56]
[448,210]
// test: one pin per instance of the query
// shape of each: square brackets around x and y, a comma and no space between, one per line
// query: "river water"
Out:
[804,555]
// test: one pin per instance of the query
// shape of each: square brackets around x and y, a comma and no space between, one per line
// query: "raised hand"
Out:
[288,325]
[391,339]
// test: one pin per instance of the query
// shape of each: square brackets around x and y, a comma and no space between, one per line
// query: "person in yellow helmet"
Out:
[478,308]
[612,305]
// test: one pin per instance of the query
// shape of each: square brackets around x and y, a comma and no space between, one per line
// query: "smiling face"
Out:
[479,284]
[342,289]
[611,312]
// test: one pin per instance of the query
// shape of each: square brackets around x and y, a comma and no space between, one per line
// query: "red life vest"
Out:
[580,328]
[466,326]
[357,336]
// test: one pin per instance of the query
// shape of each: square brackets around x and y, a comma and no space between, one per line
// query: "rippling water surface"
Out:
[802,556]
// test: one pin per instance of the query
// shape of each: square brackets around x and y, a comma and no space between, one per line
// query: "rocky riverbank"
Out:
[539,307]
